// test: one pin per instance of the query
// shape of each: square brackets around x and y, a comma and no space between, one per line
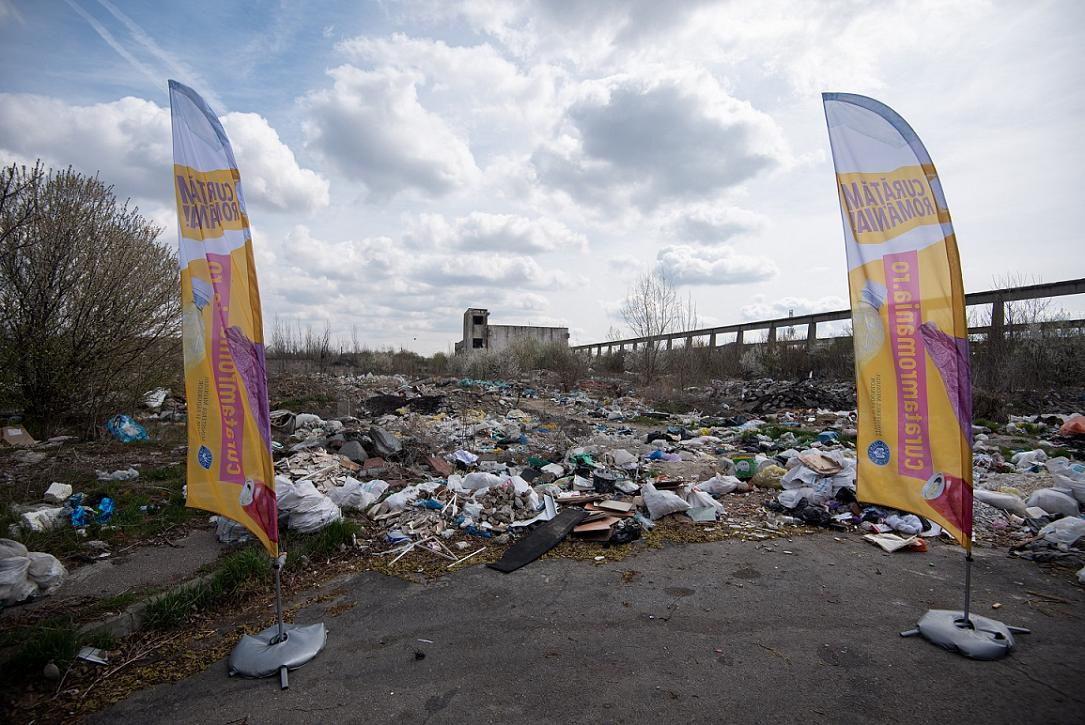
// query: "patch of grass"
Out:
[56,640]
[234,573]
[993,426]
[321,544]
[775,431]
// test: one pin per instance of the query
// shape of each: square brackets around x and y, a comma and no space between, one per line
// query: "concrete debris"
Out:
[432,467]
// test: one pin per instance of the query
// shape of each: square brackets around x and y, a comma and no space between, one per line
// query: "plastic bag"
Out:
[307,420]
[1003,501]
[42,519]
[799,477]
[790,498]
[228,531]
[125,429]
[700,499]
[476,481]
[1064,531]
[770,476]
[1053,501]
[1027,460]
[309,510]
[14,584]
[1069,476]
[909,524]
[661,503]
[352,495]
[718,485]
[46,571]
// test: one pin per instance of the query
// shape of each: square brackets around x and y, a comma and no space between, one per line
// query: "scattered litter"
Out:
[125,429]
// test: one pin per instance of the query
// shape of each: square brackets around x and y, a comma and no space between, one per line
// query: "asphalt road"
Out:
[725,632]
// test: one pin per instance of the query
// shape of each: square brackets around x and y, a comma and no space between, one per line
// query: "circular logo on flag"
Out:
[878,452]
[204,457]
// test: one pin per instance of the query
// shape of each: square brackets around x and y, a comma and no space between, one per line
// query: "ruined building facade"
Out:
[479,334]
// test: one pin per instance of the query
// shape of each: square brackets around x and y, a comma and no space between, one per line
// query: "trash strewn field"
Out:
[419,478]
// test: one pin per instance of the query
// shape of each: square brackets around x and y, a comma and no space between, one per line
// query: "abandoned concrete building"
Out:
[479,334]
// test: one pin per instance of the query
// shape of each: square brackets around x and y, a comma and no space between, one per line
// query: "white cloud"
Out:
[625,264]
[270,171]
[764,309]
[707,224]
[685,264]
[477,85]
[9,13]
[480,231]
[678,136]
[129,142]
[372,128]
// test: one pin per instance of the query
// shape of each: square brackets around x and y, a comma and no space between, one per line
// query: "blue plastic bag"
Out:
[126,429]
[105,511]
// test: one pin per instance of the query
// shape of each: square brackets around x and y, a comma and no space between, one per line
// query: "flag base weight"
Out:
[265,654]
[971,635]
[279,648]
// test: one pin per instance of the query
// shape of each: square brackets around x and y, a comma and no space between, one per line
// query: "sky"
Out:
[403,161]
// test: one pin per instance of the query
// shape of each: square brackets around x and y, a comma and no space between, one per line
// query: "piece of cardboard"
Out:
[603,524]
[16,435]
[621,507]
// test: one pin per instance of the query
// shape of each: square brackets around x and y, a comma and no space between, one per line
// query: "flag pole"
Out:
[967,586]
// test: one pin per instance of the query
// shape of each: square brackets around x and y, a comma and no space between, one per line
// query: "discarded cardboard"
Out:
[17,436]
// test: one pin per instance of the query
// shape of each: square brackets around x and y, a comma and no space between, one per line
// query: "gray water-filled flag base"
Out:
[279,648]
[263,656]
[976,637]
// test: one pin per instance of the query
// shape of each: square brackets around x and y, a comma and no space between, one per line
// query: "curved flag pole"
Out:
[913,370]
[230,469]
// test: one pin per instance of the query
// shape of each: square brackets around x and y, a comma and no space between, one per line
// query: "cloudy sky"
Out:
[404,161]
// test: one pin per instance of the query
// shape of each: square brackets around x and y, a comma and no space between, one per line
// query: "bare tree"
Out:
[89,301]
[652,308]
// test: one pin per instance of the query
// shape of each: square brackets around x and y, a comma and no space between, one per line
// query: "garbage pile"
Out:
[26,575]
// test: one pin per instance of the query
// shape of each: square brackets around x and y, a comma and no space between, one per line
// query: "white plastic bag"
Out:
[309,510]
[799,476]
[700,499]
[1064,531]
[46,571]
[1026,460]
[623,458]
[1069,476]
[1053,501]
[352,495]
[909,524]
[307,420]
[479,480]
[661,503]
[43,519]
[719,485]
[14,584]
[789,498]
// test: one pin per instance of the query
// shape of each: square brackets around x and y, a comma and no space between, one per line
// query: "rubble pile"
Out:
[450,467]
[447,467]
[766,395]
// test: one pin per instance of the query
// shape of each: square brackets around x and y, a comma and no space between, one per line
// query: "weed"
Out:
[234,573]
[322,544]
[54,640]
[989,424]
